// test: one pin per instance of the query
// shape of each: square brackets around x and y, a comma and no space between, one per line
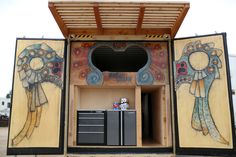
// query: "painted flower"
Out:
[83,73]
[76,51]
[57,68]
[75,64]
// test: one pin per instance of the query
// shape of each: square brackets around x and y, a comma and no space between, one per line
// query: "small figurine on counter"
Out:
[124,104]
[116,106]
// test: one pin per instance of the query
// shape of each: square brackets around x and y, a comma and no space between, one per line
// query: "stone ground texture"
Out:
[3,147]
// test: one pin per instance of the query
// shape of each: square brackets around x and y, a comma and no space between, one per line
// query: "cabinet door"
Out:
[204,121]
[129,130]
[113,128]
[37,112]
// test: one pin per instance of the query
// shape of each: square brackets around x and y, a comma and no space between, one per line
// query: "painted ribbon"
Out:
[197,87]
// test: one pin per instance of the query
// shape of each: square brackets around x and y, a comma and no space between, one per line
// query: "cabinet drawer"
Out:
[91,121]
[91,128]
[90,138]
[91,115]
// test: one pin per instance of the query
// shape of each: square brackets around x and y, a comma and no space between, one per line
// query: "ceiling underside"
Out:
[121,18]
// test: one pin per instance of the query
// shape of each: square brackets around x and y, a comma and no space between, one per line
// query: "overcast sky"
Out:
[32,19]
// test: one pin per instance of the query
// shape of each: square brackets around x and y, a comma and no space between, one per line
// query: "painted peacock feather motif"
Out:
[37,64]
[200,74]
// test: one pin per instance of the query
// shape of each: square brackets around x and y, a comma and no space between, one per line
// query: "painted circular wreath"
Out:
[39,63]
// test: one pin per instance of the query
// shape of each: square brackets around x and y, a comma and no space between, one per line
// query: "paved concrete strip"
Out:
[3,148]
[122,155]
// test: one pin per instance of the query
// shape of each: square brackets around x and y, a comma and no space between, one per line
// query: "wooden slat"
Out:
[140,19]
[111,11]
[105,21]
[159,20]
[170,5]
[161,12]
[157,26]
[73,4]
[75,14]
[79,14]
[58,19]
[164,5]
[120,20]
[68,14]
[80,22]
[83,28]
[119,25]
[179,20]
[78,17]
[75,7]
[120,14]
[122,24]
[118,9]
[97,17]
[102,12]
[78,8]
[119,5]
[120,17]
[161,15]
[74,11]
[164,9]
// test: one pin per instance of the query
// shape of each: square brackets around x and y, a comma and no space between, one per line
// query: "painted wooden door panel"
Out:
[203,106]
[37,102]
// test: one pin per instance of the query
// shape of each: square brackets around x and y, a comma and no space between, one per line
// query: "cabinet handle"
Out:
[90,118]
[91,132]
[91,125]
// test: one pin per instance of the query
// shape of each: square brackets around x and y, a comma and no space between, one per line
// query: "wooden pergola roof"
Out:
[121,18]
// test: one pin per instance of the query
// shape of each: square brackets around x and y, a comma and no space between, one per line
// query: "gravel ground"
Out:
[3,148]
[3,141]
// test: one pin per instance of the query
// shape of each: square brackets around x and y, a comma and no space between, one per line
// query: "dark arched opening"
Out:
[130,60]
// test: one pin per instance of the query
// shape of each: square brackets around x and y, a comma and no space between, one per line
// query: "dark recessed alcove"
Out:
[130,60]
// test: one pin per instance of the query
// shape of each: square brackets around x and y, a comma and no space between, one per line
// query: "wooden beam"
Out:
[138,108]
[71,120]
[58,19]
[140,19]
[98,18]
[120,31]
[179,20]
